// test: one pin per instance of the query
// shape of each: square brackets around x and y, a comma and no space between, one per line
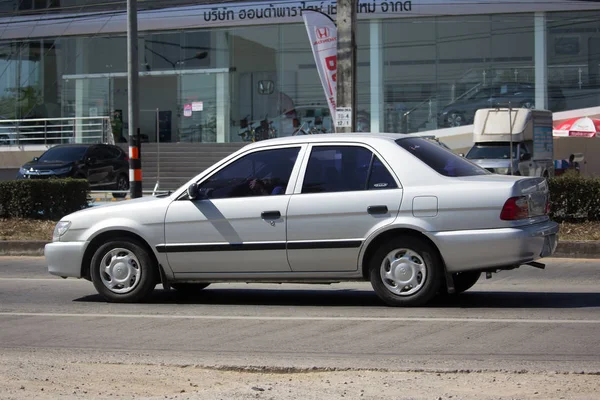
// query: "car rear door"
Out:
[238,225]
[345,192]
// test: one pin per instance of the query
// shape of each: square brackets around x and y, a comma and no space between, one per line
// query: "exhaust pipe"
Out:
[536,265]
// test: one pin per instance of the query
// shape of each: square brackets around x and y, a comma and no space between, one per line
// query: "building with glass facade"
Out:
[212,70]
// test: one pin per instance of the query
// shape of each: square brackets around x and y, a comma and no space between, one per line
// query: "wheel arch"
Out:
[382,237]
[103,237]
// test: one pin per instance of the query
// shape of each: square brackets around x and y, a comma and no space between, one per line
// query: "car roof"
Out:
[363,137]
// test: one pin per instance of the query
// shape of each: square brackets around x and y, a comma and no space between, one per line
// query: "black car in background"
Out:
[106,167]
[520,95]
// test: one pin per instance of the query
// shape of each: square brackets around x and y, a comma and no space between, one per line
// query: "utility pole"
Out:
[346,66]
[135,157]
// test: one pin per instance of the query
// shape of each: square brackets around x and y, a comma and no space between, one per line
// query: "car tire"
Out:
[130,277]
[456,118]
[122,184]
[189,288]
[417,265]
[464,281]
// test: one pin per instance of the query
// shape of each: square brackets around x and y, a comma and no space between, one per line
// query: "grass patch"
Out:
[579,231]
[30,229]
[26,229]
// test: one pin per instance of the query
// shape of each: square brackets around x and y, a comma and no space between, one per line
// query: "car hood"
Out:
[124,208]
[47,165]
[126,205]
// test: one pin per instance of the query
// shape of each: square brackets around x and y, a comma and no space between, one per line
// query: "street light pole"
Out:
[135,160]
[346,63]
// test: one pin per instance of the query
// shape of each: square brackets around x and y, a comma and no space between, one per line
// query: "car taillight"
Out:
[515,208]
[126,158]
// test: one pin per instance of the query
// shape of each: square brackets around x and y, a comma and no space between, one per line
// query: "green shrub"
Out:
[574,198]
[42,198]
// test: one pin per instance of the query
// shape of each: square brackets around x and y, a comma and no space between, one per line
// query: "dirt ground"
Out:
[27,379]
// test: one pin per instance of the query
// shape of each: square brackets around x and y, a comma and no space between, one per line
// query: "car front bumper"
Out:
[496,248]
[65,258]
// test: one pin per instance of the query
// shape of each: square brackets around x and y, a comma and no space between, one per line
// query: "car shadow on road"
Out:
[366,298]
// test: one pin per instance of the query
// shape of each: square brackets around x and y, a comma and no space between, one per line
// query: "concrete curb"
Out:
[22,247]
[578,249]
[565,249]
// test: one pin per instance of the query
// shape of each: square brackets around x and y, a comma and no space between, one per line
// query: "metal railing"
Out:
[53,131]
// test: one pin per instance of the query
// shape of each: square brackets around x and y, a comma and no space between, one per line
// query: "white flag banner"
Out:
[322,33]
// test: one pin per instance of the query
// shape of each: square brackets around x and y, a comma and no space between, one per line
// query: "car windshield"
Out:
[440,159]
[491,151]
[63,154]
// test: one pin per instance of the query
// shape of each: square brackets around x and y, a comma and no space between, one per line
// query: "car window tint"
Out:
[343,169]
[113,152]
[261,173]
[441,160]
[380,177]
[65,154]
[104,153]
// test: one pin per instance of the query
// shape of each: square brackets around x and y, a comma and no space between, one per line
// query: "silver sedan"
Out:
[403,212]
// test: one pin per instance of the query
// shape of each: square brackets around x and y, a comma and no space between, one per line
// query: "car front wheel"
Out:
[123,271]
[406,271]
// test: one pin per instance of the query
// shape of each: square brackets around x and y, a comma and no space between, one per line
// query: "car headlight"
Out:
[62,171]
[60,229]
[22,171]
[501,171]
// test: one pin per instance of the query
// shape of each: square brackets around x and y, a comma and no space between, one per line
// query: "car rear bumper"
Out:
[65,258]
[496,248]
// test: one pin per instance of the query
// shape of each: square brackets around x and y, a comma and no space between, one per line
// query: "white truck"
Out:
[518,142]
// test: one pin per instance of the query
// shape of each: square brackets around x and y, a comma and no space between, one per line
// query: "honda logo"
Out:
[322,33]
[266,87]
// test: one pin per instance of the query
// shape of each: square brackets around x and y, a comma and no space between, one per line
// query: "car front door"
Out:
[346,192]
[95,166]
[237,224]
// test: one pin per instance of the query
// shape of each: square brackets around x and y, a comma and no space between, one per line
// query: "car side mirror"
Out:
[461,154]
[192,191]
[36,158]
[91,160]
[526,157]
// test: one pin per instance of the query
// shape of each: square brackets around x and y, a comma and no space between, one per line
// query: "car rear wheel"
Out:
[122,184]
[123,271]
[405,271]
[189,288]
[464,281]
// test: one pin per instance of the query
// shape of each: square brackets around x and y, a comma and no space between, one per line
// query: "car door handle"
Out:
[377,209]
[270,215]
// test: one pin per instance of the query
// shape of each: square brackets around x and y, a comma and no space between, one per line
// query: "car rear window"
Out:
[438,158]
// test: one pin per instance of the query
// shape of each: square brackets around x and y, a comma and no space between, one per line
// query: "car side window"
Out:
[261,173]
[112,153]
[380,177]
[104,153]
[344,169]
[94,152]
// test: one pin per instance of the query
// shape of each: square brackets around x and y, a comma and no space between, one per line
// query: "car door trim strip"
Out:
[299,245]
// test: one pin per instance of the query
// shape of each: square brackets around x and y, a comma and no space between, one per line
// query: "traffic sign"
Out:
[343,117]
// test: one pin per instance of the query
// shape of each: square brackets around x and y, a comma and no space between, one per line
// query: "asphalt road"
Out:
[8,174]
[526,319]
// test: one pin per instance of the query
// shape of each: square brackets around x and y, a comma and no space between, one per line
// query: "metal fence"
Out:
[53,131]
